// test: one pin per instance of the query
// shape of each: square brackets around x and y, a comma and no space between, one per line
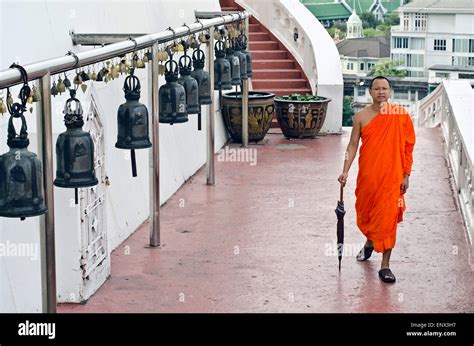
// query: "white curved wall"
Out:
[37,30]
[314,50]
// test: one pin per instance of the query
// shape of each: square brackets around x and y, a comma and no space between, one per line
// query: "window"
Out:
[412,95]
[415,60]
[439,44]
[361,91]
[420,22]
[442,75]
[400,94]
[406,21]
[350,66]
[422,94]
[400,42]
[463,45]
[402,58]
[463,60]
[362,66]
[466,76]
[417,43]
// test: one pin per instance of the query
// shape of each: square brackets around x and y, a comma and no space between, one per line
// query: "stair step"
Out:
[263,45]
[233,9]
[275,73]
[273,64]
[269,54]
[254,28]
[259,36]
[279,83]
[280,92]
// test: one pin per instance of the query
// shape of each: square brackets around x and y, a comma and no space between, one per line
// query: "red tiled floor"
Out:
[240,246]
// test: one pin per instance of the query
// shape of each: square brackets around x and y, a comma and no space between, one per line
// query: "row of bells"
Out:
[21,177]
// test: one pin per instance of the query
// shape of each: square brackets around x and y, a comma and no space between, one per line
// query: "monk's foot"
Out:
[365,253]
[386,275]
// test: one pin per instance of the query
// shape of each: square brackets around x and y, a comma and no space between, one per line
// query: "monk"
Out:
[385,162]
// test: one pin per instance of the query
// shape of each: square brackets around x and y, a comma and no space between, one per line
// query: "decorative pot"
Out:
[301,119]
[260,110]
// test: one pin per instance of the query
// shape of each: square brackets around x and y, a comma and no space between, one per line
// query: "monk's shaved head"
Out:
[379,77]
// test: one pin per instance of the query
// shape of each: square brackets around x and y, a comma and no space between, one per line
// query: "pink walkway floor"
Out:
[261,240]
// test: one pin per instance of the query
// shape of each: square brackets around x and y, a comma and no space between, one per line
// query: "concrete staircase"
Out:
[274,68]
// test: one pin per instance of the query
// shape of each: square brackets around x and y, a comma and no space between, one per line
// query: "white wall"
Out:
[37,30]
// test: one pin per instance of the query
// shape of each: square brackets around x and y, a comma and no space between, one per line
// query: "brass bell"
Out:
[9,99]
[36,94]
[132,120]
[3,107]
[221,68]
[234,64]
[172,97]
[78,79]
[61,86]
[74,150]
[21,176]
[190,85]
[242,59]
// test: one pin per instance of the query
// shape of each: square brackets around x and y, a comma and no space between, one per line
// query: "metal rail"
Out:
[44,69]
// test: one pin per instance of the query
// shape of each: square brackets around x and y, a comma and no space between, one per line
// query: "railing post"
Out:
[210,162]
[155,167]
[47,241]
[245,99]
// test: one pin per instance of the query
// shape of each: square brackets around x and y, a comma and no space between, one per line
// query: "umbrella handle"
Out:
[340,197]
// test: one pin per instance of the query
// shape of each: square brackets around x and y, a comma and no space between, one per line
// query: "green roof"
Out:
[329,11]
[360,6]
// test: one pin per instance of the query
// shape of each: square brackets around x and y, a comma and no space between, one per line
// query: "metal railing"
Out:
[44,69]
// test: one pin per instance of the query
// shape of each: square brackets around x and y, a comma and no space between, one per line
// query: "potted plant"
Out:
[301,116]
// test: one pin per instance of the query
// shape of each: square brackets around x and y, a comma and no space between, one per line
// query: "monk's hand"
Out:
[343,178]
[404,184]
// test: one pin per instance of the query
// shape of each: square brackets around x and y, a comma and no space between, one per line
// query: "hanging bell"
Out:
[172,96]
[36,94]
[77,80]
[221,68]
[93,75]
[21,176]
[132,120]
[9,99]
[242,59]
[234,64]
[3,107]
[67,82]
[61,86]
[74,150]
[84,76]
[190,85]
[54,89]
[202,77]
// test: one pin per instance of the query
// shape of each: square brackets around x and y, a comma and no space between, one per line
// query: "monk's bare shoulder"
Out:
[360,117]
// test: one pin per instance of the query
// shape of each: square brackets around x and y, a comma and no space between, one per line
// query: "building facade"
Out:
[433,33]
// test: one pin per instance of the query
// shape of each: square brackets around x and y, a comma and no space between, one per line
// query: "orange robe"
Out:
[385,155]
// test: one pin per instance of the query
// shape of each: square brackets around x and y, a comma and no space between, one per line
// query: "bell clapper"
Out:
[134,163]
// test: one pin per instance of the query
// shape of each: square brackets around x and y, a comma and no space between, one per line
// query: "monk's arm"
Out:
[353,144]
[409,144]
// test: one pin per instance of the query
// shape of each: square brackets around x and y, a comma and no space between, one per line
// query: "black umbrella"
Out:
[340,212]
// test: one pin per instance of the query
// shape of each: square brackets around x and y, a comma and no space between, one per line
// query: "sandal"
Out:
[365,253]
[386,275]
